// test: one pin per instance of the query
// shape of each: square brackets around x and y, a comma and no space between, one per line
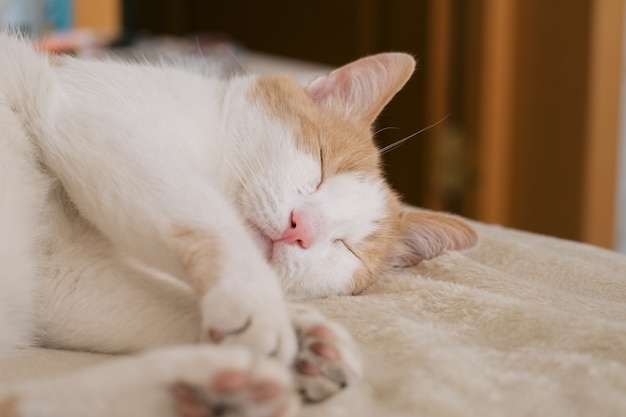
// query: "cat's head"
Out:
[312,189]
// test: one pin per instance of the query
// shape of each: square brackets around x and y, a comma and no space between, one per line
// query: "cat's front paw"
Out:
[327,360]
[186,381]
[241,302]
[258,319]
[254,390]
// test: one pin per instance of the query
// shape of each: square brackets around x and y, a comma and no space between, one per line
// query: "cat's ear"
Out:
[363,88]
[425,235]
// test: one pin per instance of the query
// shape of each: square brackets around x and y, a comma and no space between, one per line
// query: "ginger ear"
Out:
[425,235]
[363,88]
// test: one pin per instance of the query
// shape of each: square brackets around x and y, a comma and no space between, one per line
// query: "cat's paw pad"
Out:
[327,360]
[257,391]
[217,335]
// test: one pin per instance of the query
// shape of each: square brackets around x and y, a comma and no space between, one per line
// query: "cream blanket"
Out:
[521,325]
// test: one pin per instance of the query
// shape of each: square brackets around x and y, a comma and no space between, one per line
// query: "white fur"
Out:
[139,385]
[21,191]
[22,194]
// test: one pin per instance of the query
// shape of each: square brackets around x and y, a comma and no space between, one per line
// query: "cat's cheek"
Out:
[314,273]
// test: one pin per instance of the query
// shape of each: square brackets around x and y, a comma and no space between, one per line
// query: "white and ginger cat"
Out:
[157,208]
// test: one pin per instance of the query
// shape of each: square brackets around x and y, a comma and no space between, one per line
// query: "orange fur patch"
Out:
[200,254]
[342,145]
[375,249]
[8,407]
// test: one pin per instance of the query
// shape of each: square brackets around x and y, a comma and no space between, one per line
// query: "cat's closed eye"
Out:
[343,243]
[321,168]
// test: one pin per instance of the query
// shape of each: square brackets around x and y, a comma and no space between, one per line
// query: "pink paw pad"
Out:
[188,403]
[228,391]
[229,381]
[324,350]
[320,331]
[324,347]
[265,390]
[306,368]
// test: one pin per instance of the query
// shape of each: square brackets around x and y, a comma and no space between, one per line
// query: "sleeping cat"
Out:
[157,208]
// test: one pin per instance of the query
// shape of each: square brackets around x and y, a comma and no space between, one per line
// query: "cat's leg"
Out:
[177,382]
[94,300]
[90,298]
[107,306]
[22,192]
[174,219]
[327,360]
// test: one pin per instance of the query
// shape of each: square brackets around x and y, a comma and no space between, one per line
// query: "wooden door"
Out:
[544,115]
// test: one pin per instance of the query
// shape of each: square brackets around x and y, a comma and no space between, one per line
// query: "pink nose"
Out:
[299,233]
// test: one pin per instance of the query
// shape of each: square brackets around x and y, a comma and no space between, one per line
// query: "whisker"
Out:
[394,145]
[231,52]
[385,128]
[200,49]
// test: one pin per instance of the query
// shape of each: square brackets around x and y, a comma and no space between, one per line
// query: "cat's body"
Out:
[148,206]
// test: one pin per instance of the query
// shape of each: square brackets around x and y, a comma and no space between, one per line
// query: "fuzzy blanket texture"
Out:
[521,325]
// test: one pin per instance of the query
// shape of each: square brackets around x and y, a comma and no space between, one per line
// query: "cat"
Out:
[156,208]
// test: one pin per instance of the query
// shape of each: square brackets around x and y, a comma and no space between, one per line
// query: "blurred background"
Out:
[526,95]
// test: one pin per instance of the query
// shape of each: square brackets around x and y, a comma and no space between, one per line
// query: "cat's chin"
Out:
[262,240]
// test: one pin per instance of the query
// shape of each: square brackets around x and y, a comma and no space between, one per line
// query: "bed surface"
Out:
[521,325]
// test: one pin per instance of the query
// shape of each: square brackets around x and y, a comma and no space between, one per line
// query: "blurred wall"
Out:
[621,202]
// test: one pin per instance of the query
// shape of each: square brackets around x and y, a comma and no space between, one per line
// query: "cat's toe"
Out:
[327,359]
[320,369]
[257,391]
